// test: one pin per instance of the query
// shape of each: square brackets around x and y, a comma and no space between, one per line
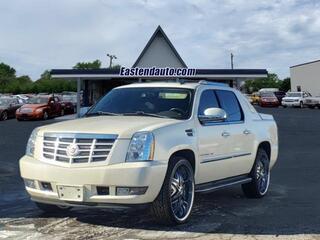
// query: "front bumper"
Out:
[290,104]
[269,104]
[138,174]
[29,116]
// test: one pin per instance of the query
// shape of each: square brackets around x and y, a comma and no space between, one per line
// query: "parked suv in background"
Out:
[312,102]
[40,107]
[152,144]
[295,99]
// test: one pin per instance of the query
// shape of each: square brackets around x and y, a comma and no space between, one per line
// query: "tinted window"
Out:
[208,99]
[166,102]
[230,104]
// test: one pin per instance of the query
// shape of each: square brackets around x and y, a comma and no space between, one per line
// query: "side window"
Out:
[56,99]
[208,99]
[230,104]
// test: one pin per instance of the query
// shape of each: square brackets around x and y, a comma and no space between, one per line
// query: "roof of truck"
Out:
[181,84]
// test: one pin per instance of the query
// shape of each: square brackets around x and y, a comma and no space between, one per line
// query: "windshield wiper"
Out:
[102,113]
[141,113]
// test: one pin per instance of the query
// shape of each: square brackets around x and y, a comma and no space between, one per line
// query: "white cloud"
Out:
[273,34]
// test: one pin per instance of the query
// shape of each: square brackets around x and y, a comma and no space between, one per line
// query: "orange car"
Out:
[40,107]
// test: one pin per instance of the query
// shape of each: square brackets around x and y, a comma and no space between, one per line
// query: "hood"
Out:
[123,126]
[291,98]
[33,106]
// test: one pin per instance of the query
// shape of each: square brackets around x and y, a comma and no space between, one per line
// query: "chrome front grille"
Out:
[77,148]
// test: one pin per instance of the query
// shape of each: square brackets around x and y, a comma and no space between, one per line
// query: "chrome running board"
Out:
[223,183]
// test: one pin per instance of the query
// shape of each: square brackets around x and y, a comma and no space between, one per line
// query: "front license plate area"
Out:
[70,193]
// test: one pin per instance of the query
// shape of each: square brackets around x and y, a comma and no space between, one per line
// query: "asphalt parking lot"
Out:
[291,210]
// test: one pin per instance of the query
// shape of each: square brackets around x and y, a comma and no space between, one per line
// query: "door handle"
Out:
[246,132]
[225,134]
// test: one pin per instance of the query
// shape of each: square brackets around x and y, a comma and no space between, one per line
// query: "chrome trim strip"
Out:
[224,157]
[246,180]
[80,135]
[221,123]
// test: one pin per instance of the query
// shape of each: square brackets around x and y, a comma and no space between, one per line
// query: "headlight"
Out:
[39,110]
[141,147]
[31,143]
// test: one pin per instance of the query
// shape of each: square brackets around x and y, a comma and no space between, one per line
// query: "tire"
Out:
[174,203]
[4,116]
[260,174]
[48,208]
[301,105]
[45,115]
[284,106]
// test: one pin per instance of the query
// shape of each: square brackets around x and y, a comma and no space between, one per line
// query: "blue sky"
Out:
[36,35]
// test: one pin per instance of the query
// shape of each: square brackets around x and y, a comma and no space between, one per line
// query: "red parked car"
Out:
[268,99]
[40,107]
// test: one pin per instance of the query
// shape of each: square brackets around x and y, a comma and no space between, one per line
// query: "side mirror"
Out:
[51,102]
[213,115]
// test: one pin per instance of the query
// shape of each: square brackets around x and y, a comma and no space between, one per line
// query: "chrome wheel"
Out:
[301,105]
[45,116]
[181,192]
[263,176]
[4,116]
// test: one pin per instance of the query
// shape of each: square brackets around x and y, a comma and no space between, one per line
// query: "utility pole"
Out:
[231,56]
[111,58]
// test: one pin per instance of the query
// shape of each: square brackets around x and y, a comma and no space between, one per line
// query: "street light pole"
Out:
[111,58]
[231,60]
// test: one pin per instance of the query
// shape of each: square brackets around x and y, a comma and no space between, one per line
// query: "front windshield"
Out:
[267,94]
[294,94]
[69,98]
[162,102]
[38,100]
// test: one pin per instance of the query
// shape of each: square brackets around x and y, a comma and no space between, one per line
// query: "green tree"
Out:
[271,81]
[285,84]
[88,65]
[7,71]
[7,74]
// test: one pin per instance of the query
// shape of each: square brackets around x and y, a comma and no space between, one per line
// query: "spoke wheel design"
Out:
[260,175]
[45,116]
[263,176]
[181,192]
[174,202]
[4,116]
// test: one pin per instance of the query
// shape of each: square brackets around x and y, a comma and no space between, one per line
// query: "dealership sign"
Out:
[155,71]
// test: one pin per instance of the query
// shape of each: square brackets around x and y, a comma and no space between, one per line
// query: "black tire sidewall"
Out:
[262,156]
[161,207]
[3,114]
[180,162]
[45,115]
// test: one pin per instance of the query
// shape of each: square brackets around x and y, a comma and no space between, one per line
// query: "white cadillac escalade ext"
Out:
[152,144]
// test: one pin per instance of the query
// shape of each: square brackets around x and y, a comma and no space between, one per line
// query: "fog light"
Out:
[46,186]
[125,191]
[103,190]
[29,183]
